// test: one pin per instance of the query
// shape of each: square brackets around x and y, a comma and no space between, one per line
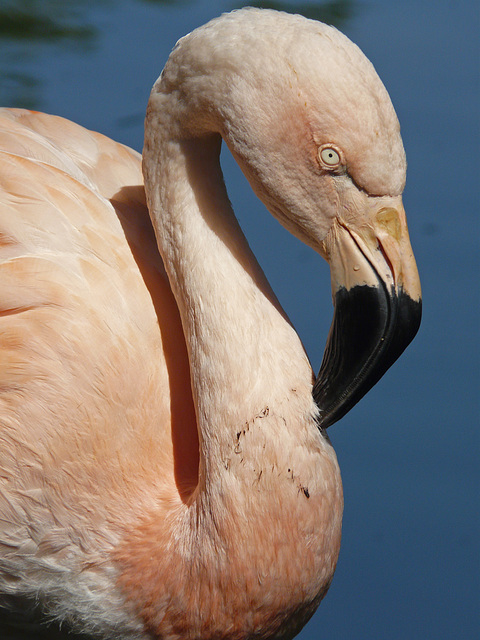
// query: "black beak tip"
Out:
[371,328]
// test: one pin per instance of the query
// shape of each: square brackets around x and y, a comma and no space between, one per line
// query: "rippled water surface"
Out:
[409,452]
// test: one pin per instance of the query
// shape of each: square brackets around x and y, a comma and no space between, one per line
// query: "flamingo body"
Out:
[88,314]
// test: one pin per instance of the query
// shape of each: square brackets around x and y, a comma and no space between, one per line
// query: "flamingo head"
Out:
[312,127]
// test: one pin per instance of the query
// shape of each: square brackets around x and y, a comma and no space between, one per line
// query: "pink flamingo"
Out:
[164,466]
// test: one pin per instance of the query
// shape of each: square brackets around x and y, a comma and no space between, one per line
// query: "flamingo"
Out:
[165,469]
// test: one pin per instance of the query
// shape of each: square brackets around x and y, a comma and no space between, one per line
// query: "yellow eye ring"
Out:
[329,156]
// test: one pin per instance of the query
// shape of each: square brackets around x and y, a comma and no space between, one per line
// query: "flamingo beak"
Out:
[377,300]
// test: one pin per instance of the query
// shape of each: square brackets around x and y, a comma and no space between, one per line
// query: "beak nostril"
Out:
[388,262]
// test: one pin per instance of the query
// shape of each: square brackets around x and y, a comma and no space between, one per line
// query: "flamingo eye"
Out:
[329,157]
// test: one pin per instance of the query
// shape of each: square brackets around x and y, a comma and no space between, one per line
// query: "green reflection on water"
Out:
[34,21]
[28,30]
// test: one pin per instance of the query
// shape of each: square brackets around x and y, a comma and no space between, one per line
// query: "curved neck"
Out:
[238,337]
[265,470]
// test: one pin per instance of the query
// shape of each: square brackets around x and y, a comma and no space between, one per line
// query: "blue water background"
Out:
[409,566]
